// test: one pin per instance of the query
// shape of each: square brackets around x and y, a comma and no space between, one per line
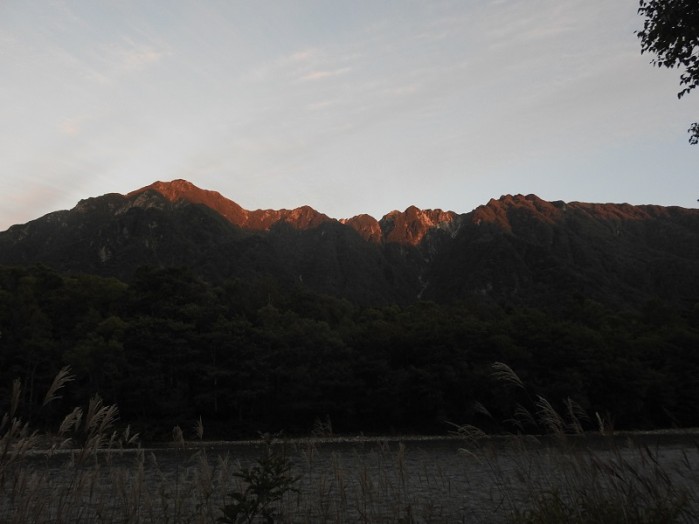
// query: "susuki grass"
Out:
[90,471]
[584,478]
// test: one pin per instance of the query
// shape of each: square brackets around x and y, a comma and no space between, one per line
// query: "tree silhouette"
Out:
[671,32]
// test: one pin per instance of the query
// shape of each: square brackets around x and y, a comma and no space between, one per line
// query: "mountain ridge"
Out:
[515,249]
[418,221]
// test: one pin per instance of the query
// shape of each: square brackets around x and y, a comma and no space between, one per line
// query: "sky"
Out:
[361,106]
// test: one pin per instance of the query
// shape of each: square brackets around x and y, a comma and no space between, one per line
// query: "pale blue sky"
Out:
[350,107]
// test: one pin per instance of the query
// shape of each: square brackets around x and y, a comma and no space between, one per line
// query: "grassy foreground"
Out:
[89,472]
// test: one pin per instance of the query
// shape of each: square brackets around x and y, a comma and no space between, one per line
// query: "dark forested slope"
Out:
[169,348]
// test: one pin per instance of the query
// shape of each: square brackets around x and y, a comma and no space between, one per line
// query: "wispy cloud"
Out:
[118,59]
[324,73]
[402,90]
[303,56]
[322,104]
[136,59]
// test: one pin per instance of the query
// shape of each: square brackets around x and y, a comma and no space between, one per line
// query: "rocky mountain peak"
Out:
[304,217]
[411,226]
[515,208]
[367,227]
[408,227]
[184,191]
[522,211]
[175,190]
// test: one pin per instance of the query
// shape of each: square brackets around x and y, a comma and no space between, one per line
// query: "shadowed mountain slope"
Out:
[526,250]
[514,250]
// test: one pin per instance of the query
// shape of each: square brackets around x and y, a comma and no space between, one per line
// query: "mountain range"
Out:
[517,250]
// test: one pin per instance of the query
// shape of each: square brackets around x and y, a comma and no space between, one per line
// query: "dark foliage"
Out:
[169,347]
[671,32]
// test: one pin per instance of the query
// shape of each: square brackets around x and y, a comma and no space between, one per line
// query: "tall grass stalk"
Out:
[581,478]
[93,471]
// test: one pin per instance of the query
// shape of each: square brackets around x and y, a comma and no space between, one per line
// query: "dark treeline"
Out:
[169,348]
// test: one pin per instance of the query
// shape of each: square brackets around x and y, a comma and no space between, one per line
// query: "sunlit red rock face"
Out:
[407,228]
[260,220]
[182,190]
[509,209]
[411,226]
[367,227]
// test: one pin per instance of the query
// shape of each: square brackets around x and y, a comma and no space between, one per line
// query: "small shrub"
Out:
[266,483]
